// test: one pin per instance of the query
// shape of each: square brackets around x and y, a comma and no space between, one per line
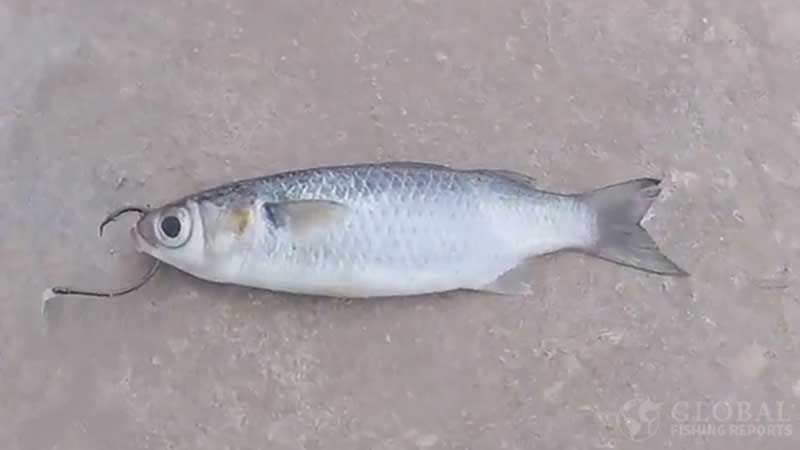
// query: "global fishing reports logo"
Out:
[639,419]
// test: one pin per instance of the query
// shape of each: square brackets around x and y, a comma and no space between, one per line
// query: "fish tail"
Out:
[620,238]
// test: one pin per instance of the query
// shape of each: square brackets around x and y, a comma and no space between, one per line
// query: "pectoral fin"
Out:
[305,217]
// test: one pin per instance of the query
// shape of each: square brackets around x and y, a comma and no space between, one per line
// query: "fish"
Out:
[396,229]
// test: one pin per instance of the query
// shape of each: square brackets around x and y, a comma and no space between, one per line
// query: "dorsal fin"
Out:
[414,165]
[516,177]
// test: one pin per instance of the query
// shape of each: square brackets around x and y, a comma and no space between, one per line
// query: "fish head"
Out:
[205,238]
[173,234]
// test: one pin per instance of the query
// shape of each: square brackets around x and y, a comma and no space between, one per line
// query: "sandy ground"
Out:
[105,103]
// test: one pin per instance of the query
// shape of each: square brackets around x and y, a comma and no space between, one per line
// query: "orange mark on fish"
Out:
[239,219]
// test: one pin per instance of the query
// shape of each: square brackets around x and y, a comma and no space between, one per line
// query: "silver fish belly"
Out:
[392,229]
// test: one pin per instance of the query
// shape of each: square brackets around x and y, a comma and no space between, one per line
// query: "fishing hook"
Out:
[65,290]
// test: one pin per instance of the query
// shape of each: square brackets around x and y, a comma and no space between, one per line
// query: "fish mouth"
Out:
[137,240]
[143,235]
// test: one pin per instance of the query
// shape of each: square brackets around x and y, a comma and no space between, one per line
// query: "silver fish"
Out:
[391,229]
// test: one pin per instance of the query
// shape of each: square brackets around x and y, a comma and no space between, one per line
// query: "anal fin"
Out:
[516,281]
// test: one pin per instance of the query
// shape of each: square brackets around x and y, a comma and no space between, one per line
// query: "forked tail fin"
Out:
[619,209]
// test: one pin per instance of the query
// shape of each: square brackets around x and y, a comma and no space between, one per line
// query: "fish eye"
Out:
[173,227]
